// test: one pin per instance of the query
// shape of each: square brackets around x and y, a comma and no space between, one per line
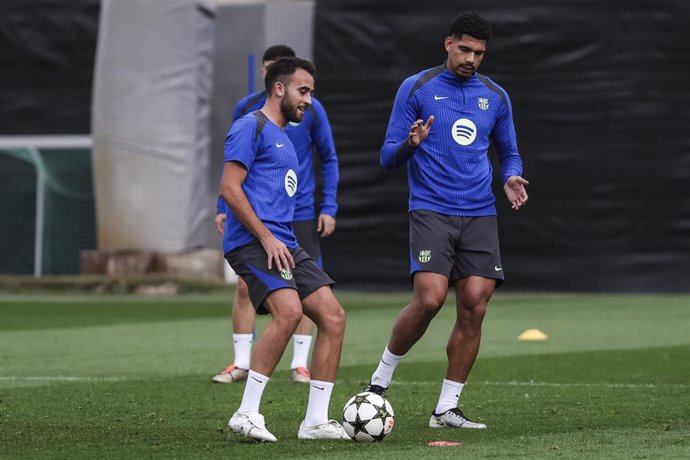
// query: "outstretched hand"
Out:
[419,131]
[514,189]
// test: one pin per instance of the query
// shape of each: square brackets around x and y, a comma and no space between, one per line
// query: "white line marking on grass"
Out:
[510,383]
[58,378]
[587,385]
[531,383]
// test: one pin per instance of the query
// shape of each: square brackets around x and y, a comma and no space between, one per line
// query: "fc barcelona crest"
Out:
[424,256]
[483,103]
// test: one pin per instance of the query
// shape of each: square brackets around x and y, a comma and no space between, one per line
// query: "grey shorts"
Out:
[249,262]
[455,246]
[308,239]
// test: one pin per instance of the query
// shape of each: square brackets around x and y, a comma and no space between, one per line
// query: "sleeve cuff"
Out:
[328,209]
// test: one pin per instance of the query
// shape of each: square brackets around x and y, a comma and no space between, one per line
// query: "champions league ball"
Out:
[367,417]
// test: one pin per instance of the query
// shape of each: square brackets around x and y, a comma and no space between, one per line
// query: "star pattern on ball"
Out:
[358,425]
[367,417]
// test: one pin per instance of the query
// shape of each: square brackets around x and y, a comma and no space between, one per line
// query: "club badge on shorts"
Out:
[424,256]
[286,274]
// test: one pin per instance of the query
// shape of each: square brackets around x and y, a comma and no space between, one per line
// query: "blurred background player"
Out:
[453,225]
[259,185]
[312,133]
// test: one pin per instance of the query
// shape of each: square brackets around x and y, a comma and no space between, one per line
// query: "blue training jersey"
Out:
[313,131]
[450,171]
[264,149]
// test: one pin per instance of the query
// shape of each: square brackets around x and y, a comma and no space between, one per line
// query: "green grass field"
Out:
[129,377]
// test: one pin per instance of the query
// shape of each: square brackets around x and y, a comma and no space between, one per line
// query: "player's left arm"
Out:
[505,141]
[322,136]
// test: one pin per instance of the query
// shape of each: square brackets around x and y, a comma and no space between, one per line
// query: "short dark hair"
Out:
[284,68]
[470,23]
[278,51]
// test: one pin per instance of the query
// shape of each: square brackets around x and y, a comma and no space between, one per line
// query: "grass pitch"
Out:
[129,377]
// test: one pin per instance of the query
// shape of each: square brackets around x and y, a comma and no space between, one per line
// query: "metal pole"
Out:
[40,203]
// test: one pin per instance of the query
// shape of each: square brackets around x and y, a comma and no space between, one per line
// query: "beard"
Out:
[290,111]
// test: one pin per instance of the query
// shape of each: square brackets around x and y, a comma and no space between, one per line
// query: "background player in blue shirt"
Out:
[312,133]
[453,229]
[259,185]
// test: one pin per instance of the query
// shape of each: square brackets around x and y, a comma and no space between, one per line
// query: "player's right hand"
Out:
[419,131]
[278,252]
[220,223]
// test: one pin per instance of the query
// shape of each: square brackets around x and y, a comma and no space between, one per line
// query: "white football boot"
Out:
[300,375]
[329,430]
[231,374]
[453,418]
[251,426]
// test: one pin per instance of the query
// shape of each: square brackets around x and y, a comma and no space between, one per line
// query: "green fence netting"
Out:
[50,190]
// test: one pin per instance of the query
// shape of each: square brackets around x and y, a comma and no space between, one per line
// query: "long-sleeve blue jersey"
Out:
[313,131]
[450,171]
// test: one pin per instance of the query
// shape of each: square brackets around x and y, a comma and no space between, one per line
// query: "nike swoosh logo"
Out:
[260,381]
[299,343]
[497,268]
[457,396]
[279,145]
[319,388]
[387,364]
[438,98]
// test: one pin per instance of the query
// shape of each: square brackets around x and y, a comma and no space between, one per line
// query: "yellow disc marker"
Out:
[532,335]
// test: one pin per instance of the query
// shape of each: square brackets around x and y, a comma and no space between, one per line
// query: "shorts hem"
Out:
[428,271]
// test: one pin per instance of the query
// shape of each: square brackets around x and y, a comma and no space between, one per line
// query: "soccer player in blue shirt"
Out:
[312,133]
[259,185]
[441,124]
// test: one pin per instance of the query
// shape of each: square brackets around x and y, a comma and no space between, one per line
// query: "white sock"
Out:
[450,393]
[383,374]
[300,346]
[319,399]
[252,392]
[242,344]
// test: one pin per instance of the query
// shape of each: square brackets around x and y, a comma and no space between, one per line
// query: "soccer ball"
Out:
[367,417]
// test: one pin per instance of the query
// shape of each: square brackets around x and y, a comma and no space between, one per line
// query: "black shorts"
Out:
[308,239]
[249,262]
[455,246]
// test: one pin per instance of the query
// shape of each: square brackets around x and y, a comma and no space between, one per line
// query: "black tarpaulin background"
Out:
[600,100]
[47,51]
